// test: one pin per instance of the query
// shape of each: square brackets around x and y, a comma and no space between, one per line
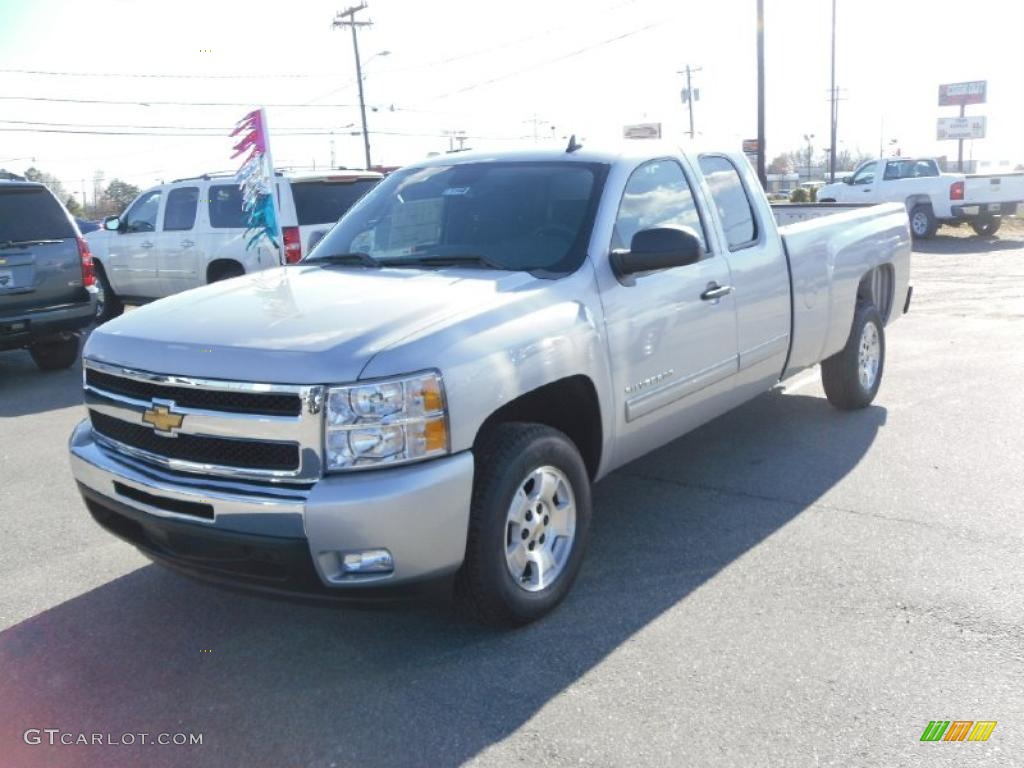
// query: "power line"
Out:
[168,76]
[165,103]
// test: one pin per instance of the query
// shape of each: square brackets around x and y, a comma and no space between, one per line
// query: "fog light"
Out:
[370,561]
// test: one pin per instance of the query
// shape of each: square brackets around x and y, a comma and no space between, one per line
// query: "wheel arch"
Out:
[569,405]
[877,286]
[219,267]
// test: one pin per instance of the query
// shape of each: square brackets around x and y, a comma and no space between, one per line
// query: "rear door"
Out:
[180,259]
[319,203]
[40,265]
[132,255]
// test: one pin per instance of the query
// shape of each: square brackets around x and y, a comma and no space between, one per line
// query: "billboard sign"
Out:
[642,131]
[961,127]
[750,146]
[956,94]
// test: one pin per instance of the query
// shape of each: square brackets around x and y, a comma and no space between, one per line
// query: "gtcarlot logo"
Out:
[55,736]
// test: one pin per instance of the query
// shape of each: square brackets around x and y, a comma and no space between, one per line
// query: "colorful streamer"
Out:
[255,178]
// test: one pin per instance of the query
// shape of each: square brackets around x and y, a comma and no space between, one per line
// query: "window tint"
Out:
[226,206]
[910,169]
[31,213]
[141,217]
[734,208]
[324,202]
[657,195]
[180,211]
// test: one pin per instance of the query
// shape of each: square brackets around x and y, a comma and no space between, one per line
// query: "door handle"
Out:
[145,245]
[715,291]
[867,190]
[187,243]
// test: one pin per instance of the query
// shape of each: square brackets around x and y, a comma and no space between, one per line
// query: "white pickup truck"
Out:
[430,393]
[932,198]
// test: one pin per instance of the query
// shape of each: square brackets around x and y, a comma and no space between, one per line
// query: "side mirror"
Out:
[655,249]
[847,179]
[112,223]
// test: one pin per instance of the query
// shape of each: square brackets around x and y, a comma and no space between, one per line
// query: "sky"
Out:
[501,72]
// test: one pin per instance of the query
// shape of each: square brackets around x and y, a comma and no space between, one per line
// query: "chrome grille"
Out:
[270,432]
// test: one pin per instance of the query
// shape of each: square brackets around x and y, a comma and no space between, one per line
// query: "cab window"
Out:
[865,174]
[732,201]
[180,211]
[226,207]
[657,195]
[141,217]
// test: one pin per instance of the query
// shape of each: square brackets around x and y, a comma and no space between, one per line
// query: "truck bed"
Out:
[827,246]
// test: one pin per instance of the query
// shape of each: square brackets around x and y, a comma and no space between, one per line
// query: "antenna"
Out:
[573,145]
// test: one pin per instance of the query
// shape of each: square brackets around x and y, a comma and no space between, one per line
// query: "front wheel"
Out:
[852,376]
[528,527]
[986,227]
[55,354]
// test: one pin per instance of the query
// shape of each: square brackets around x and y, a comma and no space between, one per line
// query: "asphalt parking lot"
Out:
[787,586]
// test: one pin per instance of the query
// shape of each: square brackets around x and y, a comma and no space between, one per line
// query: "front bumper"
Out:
[22,328]
[287,539]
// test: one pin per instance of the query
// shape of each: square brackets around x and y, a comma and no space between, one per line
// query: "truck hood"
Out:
[296,325]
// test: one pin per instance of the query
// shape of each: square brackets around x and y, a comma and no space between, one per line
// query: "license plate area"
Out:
[13,329]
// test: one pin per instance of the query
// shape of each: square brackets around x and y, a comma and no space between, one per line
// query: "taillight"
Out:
[88,273]
[956,190]
[292,245]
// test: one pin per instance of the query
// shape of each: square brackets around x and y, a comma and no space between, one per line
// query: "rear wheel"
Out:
[987,226]
[55,354]
[528,527]
[852,376]
[922,222]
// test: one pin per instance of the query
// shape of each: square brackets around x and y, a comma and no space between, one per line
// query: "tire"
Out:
[986,227]
[841,375]
[923,223]
[55,354]
[226,273]
[546,467]
[108,305]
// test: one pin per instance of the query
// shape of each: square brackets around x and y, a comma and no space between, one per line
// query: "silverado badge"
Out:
[162,418]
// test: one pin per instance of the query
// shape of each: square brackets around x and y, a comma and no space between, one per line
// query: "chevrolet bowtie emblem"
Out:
[162,418]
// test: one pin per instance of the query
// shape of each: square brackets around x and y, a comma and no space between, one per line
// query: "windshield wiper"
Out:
[447,260]
[22,243]
[357,258]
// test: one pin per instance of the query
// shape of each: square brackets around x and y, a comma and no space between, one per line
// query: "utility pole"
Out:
[537,122]
[835,102]
[761,173]
[347,18]
[688,95]
[810,153]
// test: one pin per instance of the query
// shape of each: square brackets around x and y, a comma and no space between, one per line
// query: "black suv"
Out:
[47,286]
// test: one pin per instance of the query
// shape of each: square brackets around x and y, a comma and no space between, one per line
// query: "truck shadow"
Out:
[271,683]
[24,389]
[950,245]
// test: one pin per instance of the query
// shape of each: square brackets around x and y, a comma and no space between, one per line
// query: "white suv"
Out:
[190,232]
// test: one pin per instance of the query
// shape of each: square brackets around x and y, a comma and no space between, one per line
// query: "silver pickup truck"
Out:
[430,394]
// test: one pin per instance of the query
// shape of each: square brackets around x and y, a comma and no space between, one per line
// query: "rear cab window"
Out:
[325,201]
[732,201]
[656,195]
[31,213]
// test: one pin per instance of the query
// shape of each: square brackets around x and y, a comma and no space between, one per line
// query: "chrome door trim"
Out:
[652,400]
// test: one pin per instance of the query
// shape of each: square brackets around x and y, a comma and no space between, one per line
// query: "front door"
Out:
[672,346]
[132,247]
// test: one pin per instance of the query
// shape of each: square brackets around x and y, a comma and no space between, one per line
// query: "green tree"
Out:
[117,196]
[41,177]
[73,207]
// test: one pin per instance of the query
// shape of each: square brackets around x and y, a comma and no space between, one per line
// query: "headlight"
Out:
[385,422]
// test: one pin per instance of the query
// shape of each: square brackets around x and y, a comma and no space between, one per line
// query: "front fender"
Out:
[549,331]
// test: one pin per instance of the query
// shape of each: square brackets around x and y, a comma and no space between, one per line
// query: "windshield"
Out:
[522,216]
[324,202]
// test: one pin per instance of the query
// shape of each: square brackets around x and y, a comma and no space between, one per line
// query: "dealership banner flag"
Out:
[256,179]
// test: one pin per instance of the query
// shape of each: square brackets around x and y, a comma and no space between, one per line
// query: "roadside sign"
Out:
[958,94]
[642,131]
[972,127]
[750,146]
